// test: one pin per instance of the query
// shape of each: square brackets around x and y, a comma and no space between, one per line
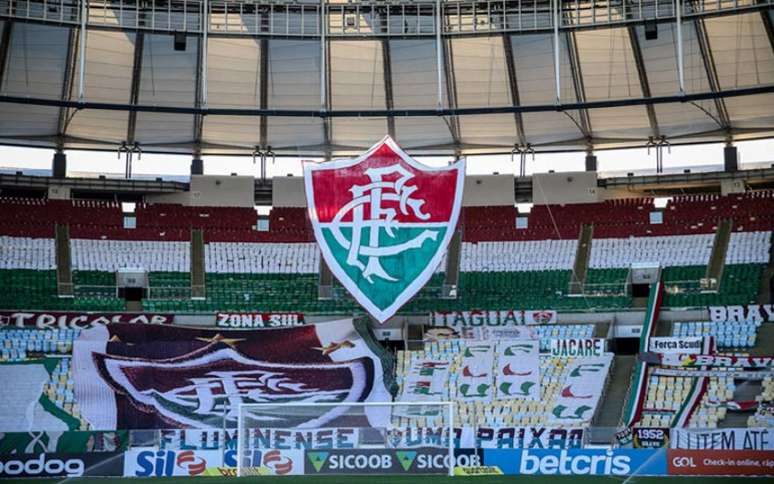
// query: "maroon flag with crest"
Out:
[146,377]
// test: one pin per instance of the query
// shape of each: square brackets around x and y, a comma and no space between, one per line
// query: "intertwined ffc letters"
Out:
[383,222]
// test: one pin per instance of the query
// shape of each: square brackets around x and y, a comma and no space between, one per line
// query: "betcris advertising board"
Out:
[576,462]
[151,462]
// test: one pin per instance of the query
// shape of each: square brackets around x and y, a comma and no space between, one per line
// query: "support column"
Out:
[591,161]
[197,165]
[59,164]
[730,158]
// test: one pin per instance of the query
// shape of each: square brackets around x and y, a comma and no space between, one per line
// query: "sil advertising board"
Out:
[151,462]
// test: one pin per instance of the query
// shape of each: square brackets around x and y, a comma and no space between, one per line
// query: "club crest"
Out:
[208,384]
[383,222]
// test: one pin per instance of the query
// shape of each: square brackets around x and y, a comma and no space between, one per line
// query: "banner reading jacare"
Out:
[577,347]
[383,222]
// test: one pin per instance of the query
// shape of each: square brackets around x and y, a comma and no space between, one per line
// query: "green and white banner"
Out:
[476,380]
[518,370]
[25,405]
[581,391]
[426,380]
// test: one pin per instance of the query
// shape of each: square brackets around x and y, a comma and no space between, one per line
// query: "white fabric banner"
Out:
[475,381]
[723,439]
[440,333]
[20,400]
[426,380]
[518,370]
[582,389]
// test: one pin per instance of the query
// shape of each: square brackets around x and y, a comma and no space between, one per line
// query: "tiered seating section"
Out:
[496,411]
[502,267]
[20,344]
[727,334]
[668,393]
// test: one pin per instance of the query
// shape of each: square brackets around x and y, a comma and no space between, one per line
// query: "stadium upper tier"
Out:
[327,78]
[501,267]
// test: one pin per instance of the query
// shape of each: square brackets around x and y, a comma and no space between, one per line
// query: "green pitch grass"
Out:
[396,480]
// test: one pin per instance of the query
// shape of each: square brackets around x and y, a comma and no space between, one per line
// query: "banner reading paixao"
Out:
[63,320]
[682,462]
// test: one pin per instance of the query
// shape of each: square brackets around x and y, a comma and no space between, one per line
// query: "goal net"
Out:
[345,438]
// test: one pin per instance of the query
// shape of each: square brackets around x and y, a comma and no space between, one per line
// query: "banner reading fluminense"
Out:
[383,222]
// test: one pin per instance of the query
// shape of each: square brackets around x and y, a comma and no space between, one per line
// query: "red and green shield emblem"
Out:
[383,222]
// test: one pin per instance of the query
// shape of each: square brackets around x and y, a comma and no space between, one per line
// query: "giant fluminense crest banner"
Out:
[131,376]
[383,222]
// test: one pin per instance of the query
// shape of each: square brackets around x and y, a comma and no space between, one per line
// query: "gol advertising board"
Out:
[578,462]
[101,464]
[720,462]
[387,461]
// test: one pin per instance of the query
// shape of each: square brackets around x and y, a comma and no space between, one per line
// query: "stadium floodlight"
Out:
[348,438]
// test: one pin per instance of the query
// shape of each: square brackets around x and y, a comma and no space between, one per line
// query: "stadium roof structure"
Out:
[328,78]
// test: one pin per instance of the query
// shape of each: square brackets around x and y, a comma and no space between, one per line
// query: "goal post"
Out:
[345,438]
